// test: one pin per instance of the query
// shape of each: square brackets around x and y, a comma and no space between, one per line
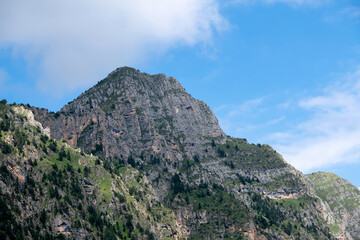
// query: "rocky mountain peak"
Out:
[130,112]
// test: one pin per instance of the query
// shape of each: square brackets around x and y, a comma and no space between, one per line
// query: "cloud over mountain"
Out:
[72,44]
[332,133]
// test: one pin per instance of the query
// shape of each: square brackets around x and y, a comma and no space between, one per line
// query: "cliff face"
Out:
[175,164]
[135,113]
[343,200]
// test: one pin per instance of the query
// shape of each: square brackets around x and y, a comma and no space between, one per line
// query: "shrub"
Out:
[131,161]
[86,171]
[76,191]
[109,234]
[19,139]
[5,148]
[98,149]
[288,228]
[69,168]
[221,152]
[107,166]
[121,197]
[53,146]
[62,153]
[53,192]
[43,138]
[43,217]
[176,185]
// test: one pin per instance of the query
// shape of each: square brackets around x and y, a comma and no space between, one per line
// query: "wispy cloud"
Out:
[300,2]
[245,107]
[4,76]
[332,133]
[353,12]
[293,3]
[74,43]
[247,118]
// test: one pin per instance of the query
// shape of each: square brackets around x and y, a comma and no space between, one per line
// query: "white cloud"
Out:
[74,43]
[332,134]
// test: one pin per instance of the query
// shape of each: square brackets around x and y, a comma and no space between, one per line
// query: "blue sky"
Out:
[280,72]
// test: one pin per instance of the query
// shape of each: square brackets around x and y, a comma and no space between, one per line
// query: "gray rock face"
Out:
[135,113]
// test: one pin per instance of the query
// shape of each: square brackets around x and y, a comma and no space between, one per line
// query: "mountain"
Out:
[160,167]
[343,200]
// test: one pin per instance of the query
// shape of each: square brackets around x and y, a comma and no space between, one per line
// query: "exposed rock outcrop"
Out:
[62,225]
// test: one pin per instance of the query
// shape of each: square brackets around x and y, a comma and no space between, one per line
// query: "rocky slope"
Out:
[163,151]
[51,191]
[343,199]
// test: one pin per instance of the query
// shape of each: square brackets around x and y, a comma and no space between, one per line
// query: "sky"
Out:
[279,72]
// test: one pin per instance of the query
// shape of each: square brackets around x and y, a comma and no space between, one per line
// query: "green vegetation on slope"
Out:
[342,197]
[51,191]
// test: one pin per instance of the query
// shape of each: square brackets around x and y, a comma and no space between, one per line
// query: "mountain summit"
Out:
[134,112]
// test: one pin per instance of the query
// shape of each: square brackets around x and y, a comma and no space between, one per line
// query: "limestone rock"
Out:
[62,225]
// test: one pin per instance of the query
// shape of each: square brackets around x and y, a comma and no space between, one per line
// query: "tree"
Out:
[5,148]
[19,139]
[221,152]
[86,171]
[62,153]
[43,217]
[131,161]
[288,228]
[109,234]
[176,185]
[98,149]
